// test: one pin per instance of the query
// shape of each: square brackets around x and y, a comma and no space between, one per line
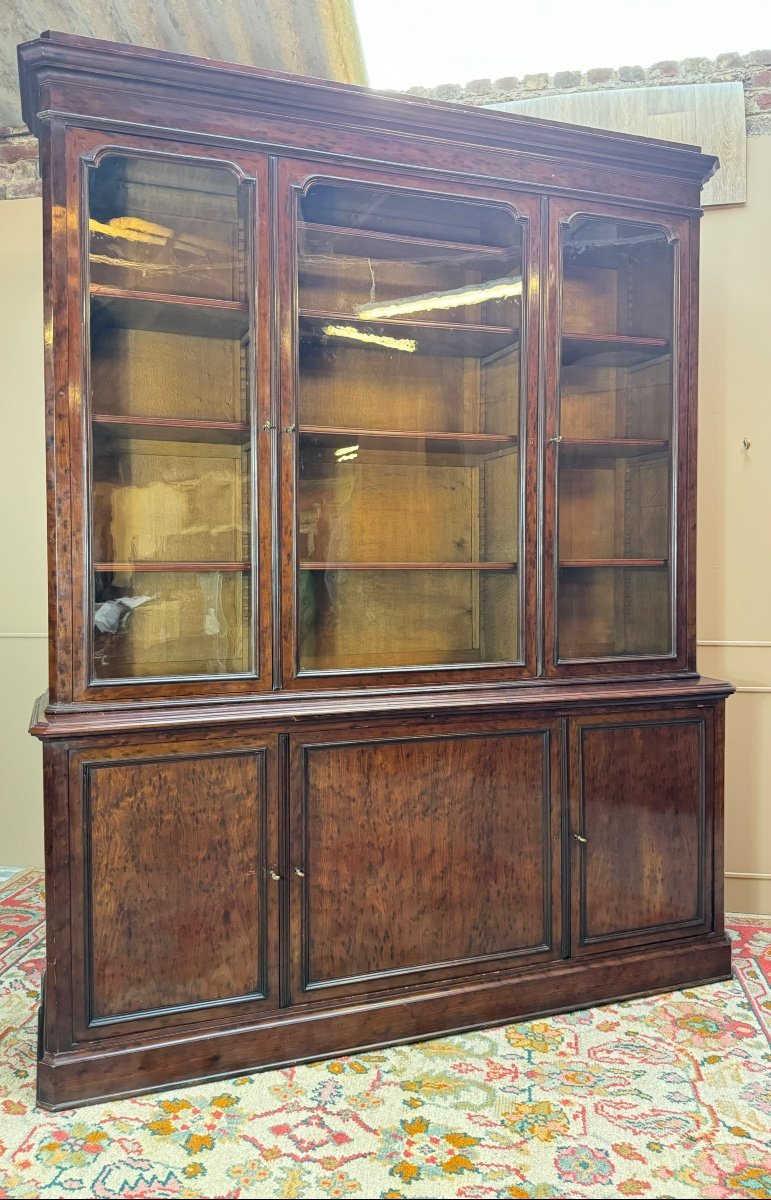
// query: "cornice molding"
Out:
[75,61]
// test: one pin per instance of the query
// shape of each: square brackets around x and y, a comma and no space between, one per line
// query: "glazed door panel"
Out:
[641,809]
[617,438]
[422,857]
[173,877]
[172,420]
[408,379]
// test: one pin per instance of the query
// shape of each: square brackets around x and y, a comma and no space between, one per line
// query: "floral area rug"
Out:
[662,1097]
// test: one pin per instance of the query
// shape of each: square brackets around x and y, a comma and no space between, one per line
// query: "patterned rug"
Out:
[662,1097]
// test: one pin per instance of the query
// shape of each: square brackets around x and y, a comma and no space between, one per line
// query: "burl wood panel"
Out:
[639,798]
[175,889]
[422,852]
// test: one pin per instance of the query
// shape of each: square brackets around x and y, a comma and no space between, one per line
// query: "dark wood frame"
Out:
[83,98]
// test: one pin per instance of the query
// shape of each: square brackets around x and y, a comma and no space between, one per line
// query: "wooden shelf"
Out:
[160,312]
[616,349]
[419,441]
[408,566]
[399,247]
[574,564]
[121,567]
[432,337]
[591,448]
[174,429]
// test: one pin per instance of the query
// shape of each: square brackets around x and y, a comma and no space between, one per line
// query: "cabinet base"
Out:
[88,1074]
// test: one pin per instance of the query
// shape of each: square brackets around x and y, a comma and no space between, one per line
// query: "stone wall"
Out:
[752,70]
[19,176]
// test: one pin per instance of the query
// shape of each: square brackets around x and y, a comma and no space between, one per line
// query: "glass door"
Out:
[409,414]
[171,381]
[612,441]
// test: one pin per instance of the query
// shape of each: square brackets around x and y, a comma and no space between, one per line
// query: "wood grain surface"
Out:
[163,936]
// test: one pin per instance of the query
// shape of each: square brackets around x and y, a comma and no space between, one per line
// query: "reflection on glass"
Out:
[160,623]
[169,383]
[615,440]
[354,618]
[408,499]
[166,227]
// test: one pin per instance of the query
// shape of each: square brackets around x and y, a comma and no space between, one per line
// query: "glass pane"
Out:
[171,426]
[169,227]
[368,619]
[610,611]
[408,416]
[614,439]
[158,623]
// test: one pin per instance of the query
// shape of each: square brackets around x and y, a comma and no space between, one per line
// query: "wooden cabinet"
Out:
[373,710]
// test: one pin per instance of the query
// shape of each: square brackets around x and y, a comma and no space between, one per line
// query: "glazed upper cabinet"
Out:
[375,484]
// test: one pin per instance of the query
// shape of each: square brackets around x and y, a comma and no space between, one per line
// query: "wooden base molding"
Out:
[89,1075]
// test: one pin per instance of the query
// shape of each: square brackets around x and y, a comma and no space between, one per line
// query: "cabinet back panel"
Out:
[341,284]
[381,389]
[351,619]
[586,512]
[397,832]
[136,372]
[166,501]
[608,402]
[373,511]
[608,611]
[619,509]
[175,895]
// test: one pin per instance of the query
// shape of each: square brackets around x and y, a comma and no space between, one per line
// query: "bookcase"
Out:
[373,708]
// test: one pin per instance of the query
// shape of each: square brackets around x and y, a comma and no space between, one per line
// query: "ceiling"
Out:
[305,37]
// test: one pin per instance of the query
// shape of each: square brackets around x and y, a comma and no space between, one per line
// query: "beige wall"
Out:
[735,514]
[23,667]
[734,520]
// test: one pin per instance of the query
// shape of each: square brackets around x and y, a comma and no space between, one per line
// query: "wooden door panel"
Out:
[178,910]
[425,854]
[641,839]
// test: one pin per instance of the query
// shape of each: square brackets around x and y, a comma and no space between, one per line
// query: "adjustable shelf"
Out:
[399,247]
[173,429]
[431,337]
[408,566]
[101,568]
[616,349]
[580,449]
[418,441]
[164,313]
[572,564]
